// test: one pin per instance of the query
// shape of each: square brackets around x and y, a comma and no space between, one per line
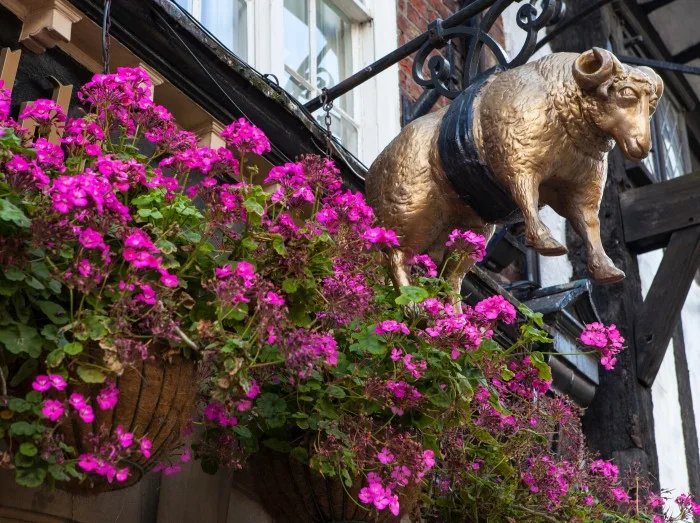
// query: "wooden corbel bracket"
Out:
[665,214]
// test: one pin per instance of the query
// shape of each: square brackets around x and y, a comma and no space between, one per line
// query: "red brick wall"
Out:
[413,19]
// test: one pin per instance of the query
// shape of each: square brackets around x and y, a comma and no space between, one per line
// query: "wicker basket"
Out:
[293,493]
[156,399]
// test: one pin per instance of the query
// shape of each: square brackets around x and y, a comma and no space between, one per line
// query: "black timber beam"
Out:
[654,5]
[688,54]
[661,310]
[651,214]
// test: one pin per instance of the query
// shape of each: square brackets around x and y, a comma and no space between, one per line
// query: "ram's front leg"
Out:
[581,209]
[537,235]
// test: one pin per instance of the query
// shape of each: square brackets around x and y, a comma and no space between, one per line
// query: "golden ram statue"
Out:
[535,135]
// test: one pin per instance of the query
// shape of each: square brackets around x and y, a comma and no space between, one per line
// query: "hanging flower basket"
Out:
[156,400]
[293,492]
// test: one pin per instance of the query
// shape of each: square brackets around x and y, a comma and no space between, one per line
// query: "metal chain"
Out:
[328,120]
[106,26]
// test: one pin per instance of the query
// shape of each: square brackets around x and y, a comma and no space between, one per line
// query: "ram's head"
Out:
[618,99]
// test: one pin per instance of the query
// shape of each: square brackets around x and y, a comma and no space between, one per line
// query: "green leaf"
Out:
[40,269]
[13,273]
[22,428]
[55,358]
[536,317]
[210,465]
[21,338]
[253,206]
[28,449]
[409,294]
[34,397]
[335,391]
[249,244]
[372,343]
[144,199]
[278,445]
[290,285]
[191,236]
[20,405]
[533,334]
[89,375]
[165,246]
[34,283]
[300,454]
[73,349]
[243,432]
[92,328]
[7,288]
[58,473]
[31,478]
[439,396]
[10,213]
[278,245]
[55,312]
[545,373]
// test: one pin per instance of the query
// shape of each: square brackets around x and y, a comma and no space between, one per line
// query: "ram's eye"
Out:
[628,92]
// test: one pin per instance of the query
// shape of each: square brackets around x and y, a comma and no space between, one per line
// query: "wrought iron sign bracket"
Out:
[530,19]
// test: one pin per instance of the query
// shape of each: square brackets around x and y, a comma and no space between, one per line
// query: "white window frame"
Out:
[196,13]
[374,33]
[357,11]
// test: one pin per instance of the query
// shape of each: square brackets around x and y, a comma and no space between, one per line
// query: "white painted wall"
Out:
[668,428]
[691,334]
[554,270]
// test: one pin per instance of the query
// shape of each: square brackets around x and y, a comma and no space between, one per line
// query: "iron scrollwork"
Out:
[529,18]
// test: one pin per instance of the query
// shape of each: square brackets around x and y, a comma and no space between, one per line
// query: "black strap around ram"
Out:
[474,182]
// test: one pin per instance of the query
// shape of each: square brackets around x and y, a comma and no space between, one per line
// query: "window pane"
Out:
[672,137]
[296,39]
[226,20]
[333,42]
[186,4]
[344,131]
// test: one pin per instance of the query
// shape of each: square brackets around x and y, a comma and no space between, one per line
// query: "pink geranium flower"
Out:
[52,409]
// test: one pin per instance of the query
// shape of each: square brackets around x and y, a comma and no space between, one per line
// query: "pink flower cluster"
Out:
[109,451]
[525,380]
[496,308]
[378,495]
[245,137]
[391,327]
[216,412]
[380,236]
[43,112]
[607,341]
[424,264]
[305,350]
[468,241]
[453,331]
[54,409]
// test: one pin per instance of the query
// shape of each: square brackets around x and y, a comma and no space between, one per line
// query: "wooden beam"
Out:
[661,310]
[688,54]
[650,214]
[654,5]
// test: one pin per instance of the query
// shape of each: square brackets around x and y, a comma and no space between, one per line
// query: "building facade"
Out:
[212,61]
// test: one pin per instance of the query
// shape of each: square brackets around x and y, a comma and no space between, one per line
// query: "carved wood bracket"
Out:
[44,22]
[662,215]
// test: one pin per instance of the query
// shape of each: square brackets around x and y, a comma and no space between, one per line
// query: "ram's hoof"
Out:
[547,246]
[607,274]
